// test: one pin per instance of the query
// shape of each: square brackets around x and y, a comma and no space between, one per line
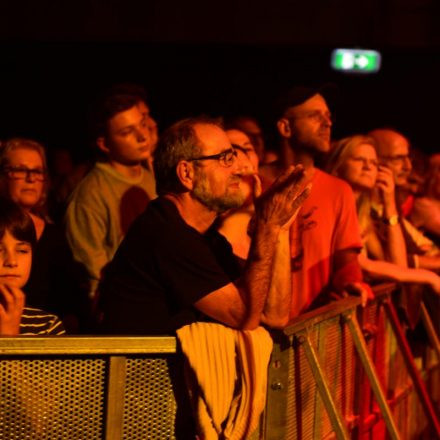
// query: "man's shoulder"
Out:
[324,178]
[95,179]
[160,219]
[327,185]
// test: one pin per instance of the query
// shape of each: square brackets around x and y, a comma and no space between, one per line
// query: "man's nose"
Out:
[407,165]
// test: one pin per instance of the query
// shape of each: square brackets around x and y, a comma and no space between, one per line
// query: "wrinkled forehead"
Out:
[315,102]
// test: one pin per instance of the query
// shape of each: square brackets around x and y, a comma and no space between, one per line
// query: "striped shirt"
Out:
[38,322]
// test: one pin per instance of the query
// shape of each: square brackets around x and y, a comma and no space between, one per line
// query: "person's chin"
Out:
[11,280]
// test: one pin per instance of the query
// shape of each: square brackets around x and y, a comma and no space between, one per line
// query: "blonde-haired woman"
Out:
[354,159]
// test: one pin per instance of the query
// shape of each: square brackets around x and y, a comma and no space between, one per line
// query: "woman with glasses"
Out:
[24,180]
[354,160]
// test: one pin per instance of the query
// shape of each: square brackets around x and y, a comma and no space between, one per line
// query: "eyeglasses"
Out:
[316,116]
[24,173]
[398,158]
[225,158]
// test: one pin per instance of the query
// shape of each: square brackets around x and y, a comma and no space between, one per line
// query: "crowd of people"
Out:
[205,223]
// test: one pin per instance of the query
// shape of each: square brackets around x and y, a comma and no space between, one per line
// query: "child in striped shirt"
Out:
[17,239]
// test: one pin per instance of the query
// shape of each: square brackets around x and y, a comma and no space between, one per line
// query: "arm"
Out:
[395,248]
[244,305]
[86,232]
[277,308]
[426,215]
[430,262]
[384,269]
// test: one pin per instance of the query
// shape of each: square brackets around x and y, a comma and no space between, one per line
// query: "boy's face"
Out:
[15,261]
[127,140]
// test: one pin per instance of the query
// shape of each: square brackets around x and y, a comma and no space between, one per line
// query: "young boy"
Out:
[17,240]
[116,190]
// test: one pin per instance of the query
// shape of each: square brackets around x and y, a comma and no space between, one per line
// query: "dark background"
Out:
[217,58]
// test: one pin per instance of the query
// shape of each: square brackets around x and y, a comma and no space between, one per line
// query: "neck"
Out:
[126,170]
[192,211]
[299,156]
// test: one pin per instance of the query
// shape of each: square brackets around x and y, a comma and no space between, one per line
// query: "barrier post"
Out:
[321,383]
[412,368]
[362,351]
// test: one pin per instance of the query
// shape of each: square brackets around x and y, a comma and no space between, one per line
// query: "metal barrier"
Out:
[340,371]
[334,375]
[84,388]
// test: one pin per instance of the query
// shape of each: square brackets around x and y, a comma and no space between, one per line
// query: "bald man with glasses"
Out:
[173,268]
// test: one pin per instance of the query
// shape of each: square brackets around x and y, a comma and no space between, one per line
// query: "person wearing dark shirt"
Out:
[172,268]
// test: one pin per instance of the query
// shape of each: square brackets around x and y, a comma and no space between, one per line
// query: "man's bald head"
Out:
[387,140]
[393,151]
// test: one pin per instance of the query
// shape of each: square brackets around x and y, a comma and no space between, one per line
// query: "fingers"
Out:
[291,177]
[297,203]
[299,200]
[12,298]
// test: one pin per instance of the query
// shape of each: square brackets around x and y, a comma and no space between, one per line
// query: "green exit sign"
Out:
[356,60]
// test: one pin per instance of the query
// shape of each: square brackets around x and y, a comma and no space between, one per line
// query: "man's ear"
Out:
[284,128]
[100,142]
[185,173]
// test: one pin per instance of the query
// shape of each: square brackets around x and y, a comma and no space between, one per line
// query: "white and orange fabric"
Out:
[226,377]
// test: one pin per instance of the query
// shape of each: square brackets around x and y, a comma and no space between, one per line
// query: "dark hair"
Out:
[131,89]
[17,222]
[105,108]
[178,142]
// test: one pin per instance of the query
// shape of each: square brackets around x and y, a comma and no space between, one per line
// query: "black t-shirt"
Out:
[162,267]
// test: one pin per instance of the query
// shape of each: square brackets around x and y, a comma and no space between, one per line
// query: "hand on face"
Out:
[12,301]
[280,204]
[385,184]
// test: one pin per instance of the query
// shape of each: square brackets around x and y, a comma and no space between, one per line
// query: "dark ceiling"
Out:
[214,57]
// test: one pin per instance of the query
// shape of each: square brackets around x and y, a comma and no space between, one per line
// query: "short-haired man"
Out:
[116,190]
[173,268]
[325,239]
[393,150]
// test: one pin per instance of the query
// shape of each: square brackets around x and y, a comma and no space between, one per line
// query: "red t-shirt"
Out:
[326,223]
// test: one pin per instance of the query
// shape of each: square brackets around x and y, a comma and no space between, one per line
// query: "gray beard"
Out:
[217,204]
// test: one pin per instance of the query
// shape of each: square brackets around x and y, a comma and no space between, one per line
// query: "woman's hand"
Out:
[12,301]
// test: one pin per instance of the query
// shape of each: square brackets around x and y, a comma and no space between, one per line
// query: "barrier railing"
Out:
[339,371]
[346,372]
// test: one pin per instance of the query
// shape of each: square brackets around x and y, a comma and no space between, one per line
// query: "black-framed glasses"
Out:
[24,173]
[225,158]
[398,158]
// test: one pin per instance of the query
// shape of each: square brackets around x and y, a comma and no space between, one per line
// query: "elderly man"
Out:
[393,150]
[173,269]
[325,239]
